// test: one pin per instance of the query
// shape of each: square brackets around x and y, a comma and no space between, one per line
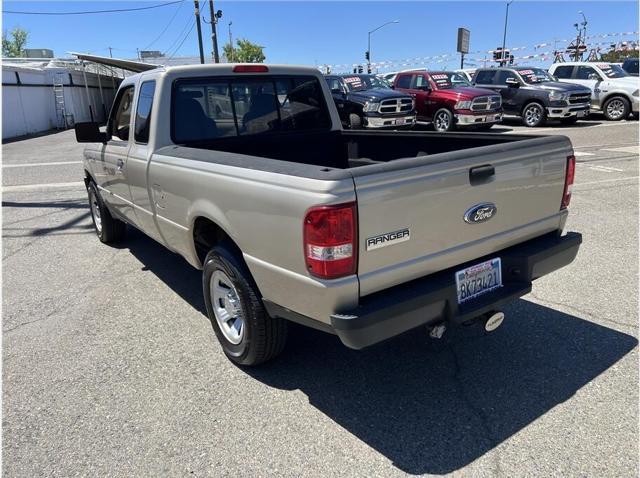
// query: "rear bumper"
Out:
[433,299]
[568,111]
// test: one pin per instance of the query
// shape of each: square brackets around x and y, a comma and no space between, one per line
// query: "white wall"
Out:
[31,109]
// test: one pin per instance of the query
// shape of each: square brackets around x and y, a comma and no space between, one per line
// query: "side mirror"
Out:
[89,132]
[593,76]
[512,83]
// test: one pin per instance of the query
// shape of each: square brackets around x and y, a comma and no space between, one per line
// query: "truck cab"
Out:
[535,95]
[366,101]
[449,101]
[613,90]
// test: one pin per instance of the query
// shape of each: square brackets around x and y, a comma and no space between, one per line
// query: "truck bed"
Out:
[351,149]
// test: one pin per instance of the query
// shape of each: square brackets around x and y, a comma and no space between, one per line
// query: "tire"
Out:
[108,229]
[355,122]
[248,335]
[534,115]
[571,120]
[616,108]
[443,120]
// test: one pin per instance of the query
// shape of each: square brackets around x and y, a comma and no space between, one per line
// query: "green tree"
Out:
[619,56]
[14,47]
[244,52]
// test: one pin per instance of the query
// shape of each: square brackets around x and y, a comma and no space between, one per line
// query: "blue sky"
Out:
[321,32]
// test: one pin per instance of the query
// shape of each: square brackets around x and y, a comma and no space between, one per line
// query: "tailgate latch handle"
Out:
[481,174]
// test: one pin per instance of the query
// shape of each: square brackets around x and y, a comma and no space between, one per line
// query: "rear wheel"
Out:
[534,115]
[108,229]
[248,335]
[443,120]
[616,108]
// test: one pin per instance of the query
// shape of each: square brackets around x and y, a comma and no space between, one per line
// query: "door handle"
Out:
[119,165]
[481,174]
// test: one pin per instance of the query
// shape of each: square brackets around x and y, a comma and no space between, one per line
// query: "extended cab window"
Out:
[143,111]
[121,114]
[504,75]
[206,109]
[563,72]
[484,77]
[419,82]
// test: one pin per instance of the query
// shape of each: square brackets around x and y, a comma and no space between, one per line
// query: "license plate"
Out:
[478,279]
[399,121]
[582,114]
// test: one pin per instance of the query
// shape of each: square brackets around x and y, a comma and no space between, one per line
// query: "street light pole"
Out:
[369,42]
[230,43]
[504,37]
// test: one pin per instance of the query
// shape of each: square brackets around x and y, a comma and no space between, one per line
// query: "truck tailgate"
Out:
[424,201]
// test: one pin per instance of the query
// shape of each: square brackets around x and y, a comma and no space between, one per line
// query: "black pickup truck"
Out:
[535,95]
[366,101]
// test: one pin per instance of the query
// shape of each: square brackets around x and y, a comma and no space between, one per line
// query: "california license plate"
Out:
[478,279]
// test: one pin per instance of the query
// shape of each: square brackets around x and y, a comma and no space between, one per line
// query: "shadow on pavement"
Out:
[429,406]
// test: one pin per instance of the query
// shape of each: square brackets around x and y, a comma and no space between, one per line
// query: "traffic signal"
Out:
[360,69]
[366,55]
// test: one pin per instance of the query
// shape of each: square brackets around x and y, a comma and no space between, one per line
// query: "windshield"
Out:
[445,80]
[364,82]
[535,75]
[612,71]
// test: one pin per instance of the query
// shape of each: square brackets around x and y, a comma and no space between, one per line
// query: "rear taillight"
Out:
[331,240]
[568,181]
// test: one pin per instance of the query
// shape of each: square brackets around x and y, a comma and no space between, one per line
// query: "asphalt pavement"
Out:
[111,367]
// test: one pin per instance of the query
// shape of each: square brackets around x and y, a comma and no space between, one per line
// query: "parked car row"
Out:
[478,99]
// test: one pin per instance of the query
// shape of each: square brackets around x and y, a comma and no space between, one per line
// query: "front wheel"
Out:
[616,108]
[534,115]
[355,122]
[108,229]
[248,335]
[443,120]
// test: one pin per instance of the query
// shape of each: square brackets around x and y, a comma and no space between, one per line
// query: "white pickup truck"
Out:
[244,170]
[613,90]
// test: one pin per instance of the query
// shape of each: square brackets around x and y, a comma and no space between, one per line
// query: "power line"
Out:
[184,29]
[166,27]
[183,40]
[88,12]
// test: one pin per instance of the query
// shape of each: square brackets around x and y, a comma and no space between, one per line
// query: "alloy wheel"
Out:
[227,307]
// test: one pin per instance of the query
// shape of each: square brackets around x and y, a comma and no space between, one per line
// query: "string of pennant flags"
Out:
[538,56]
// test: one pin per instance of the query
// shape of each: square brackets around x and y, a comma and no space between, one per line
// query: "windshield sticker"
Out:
[353,79]
[604,66]
[442,80]
[526,72]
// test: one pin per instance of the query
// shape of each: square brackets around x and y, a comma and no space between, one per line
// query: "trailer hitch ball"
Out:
[493,320]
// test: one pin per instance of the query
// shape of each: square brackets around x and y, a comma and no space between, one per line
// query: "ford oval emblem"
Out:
[480,213]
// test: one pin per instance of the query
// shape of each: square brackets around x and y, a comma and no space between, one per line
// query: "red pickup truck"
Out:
[448,100]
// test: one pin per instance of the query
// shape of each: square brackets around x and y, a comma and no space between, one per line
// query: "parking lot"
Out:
[111,366]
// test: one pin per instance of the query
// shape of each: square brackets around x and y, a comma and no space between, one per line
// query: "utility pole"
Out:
[110,52]
[196,4]
[504,37]
[214,34]
[230,43]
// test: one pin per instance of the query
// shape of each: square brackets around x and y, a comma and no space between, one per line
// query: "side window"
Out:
[419,81]
[484,77]
[143,112]
[563,72]
[404,81]
[584,72]
[504,75]
[334,85]
[121,114]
